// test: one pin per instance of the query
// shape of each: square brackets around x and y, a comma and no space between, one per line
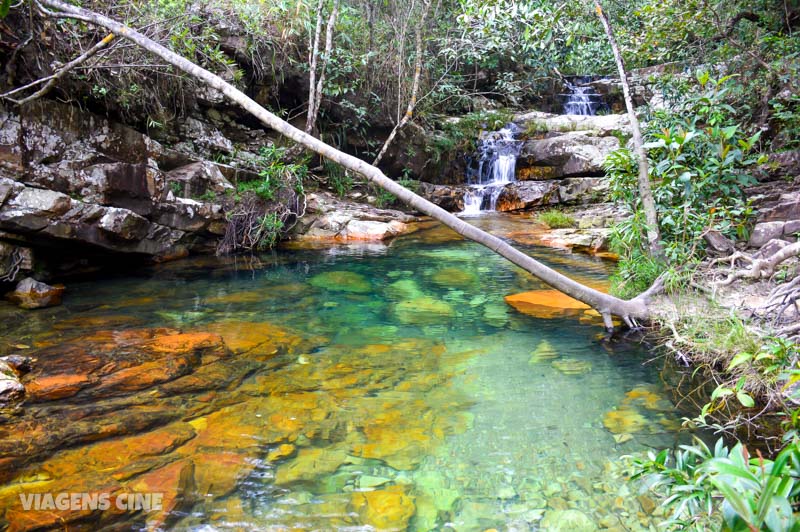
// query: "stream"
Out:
[350,388]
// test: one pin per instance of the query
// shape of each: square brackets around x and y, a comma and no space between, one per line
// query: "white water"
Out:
[496,167]
[581,100]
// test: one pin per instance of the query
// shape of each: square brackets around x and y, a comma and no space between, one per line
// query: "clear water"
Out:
[400,418]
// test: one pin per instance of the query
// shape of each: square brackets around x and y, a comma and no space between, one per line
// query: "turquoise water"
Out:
[418,399]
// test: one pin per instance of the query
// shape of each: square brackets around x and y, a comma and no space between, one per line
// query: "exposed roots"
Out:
[257,225]
[759,268]
[13,268]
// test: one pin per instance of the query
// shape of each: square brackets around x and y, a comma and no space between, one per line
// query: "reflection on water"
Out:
[391,388]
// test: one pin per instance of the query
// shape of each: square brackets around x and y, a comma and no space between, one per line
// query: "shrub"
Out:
[555,219]
[702,487]
[698,162]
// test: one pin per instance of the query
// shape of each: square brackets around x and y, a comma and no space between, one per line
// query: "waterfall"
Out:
[494,167]
[582,100]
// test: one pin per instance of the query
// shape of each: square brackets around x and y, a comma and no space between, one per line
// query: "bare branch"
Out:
[49,81]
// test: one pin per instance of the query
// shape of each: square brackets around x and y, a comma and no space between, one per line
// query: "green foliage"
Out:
[460,135]
[555,219]
[383,198]
[787,117]
[701,487]
[340,180]
[410,184]
[269,231]
[5,5]
[275,174]
[177,188]
[698,160]
[634,274]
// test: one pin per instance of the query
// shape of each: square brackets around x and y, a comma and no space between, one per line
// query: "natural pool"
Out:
[345,388]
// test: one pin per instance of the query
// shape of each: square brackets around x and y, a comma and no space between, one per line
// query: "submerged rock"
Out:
[423,310]
[624,420]
[386,509]
[567,521]
[544,352]
[342,281]
[403,289]
[310,464]
[449,277]
[572,366]
[32,294]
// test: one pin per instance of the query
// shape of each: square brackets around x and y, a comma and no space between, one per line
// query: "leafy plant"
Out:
[699,486]
[699,159]
[555,219]
[275,174]
[339,179]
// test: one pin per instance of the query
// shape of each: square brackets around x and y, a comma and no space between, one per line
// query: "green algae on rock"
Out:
[342,281]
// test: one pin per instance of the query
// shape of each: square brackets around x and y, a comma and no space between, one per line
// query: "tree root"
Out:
[760,268]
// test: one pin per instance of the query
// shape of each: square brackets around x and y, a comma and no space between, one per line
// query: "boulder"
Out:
[31,294]
[580,190]
[787,207]
[763,232]
[781,164]
[448,197]
[197,178]
[570,154]
[602,125]
[205,137]
[527,194]
[52,216]
[332,219]
[718,243]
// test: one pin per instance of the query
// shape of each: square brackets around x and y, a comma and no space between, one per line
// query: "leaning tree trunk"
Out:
[646,193]
[606,304]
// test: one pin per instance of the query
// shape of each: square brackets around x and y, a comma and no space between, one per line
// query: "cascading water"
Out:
[493,168]
[582,100]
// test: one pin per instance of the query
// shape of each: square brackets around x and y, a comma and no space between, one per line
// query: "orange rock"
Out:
[386,509]
[623,421]
[110,455]
[57,386]
[261,338]
[176,482]
[310,463]
[216,474]
[148,374]
[546,304]
[281,451]
[182,343]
